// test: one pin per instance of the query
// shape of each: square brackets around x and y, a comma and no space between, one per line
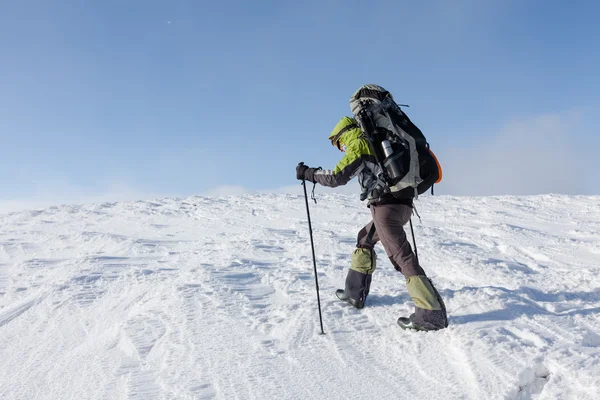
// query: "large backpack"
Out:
[407,165]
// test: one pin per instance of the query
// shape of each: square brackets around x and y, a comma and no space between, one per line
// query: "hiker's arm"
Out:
[346,169]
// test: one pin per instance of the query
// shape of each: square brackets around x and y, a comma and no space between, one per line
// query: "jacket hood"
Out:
[346,130]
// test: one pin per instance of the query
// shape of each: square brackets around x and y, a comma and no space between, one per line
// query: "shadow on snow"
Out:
[526,301]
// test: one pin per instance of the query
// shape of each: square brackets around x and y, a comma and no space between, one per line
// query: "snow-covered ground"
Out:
[201,298]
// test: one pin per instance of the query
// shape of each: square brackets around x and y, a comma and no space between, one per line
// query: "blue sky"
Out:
[182,97]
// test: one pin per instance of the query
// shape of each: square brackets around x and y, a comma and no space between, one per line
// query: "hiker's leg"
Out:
[362,265]
[389,220]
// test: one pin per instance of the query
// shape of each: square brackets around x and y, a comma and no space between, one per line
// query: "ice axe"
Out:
[312,246]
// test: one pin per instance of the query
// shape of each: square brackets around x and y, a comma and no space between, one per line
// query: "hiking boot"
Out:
[341,294]
[408,324]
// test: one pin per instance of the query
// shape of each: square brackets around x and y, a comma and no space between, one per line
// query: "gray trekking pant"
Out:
[389,221]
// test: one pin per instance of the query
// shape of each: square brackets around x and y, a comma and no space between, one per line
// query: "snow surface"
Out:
[202,298]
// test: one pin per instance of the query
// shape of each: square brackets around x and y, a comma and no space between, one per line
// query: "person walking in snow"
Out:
[389,215]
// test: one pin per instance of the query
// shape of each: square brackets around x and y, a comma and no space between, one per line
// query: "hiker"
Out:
[389,215]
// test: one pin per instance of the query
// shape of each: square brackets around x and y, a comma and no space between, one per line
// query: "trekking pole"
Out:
[412,232]
[312,245]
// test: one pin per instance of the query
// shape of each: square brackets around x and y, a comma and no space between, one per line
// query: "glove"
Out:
[301,171]
[305,173]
